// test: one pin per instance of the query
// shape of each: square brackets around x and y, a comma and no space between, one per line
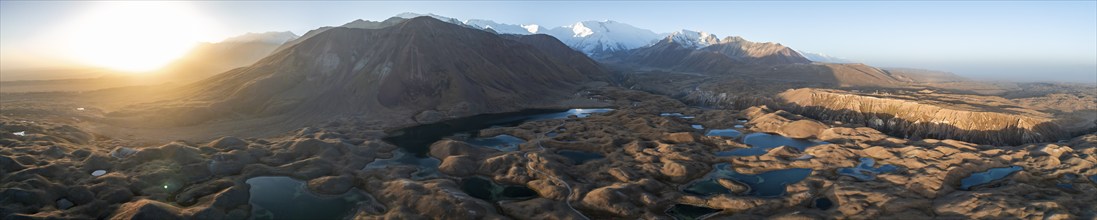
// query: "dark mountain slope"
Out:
[391,73]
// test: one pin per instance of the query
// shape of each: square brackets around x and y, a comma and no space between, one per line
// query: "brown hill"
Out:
[923,75]
[729,53]
[767,53]
[557,49]
[667,54]
[765,63]
[833,74]
[420,66]
[359,23]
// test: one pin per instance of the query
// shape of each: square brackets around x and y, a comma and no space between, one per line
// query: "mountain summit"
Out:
[418,65]
[693,39]
[599,38]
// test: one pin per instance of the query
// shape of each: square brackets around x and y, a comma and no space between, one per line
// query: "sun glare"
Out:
[133,36]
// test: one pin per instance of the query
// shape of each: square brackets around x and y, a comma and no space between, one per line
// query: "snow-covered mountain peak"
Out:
[580,30]
[498,27]
[532,28]
[693,39]
[598,37]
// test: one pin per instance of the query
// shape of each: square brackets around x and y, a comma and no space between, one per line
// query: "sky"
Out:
[990,40]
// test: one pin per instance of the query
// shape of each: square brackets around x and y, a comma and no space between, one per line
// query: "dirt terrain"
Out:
[430,120]
[48,170]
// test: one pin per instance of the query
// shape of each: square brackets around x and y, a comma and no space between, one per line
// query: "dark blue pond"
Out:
[488,190]
[706,187]
[427,167]
[690,212]
[760,143]
[414,142]
[822,203]
[675,114]
[418,139]
[279,197]
[1065,186]
[579,157]
[991,175]
[866,170]
[731,133]
[577,112]
[767,184]
[499,142]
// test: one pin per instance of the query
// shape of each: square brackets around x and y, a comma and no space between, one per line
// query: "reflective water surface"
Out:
[279,197]
[989,176]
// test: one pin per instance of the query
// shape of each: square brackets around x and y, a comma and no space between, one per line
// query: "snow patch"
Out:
[532,28]
[580,30]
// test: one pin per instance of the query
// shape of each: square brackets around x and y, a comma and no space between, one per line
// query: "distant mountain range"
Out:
[208,59]
[820,57]
[696,52]
[430,68]
[600,39]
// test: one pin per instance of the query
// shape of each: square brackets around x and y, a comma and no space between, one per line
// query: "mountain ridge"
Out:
[419,65]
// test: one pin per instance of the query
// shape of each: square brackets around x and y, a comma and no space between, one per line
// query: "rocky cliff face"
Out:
[900,112]
[914,119]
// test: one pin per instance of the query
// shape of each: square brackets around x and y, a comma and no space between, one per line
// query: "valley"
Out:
[425,117]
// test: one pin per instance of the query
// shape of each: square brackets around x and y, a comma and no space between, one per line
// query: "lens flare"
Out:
[133,36]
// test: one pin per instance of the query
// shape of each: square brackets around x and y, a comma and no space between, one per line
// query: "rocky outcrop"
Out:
[914,119]
[435,199]
[147,209]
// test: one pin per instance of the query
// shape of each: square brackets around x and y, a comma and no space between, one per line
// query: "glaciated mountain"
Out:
[595,38]
[500,28]
[699,52]
[693,39]
[819,57]
[602,39]
[599,38]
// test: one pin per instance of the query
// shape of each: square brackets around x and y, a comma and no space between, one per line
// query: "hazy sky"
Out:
[1010,40]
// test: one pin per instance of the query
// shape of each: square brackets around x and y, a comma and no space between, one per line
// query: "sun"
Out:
[133,36]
